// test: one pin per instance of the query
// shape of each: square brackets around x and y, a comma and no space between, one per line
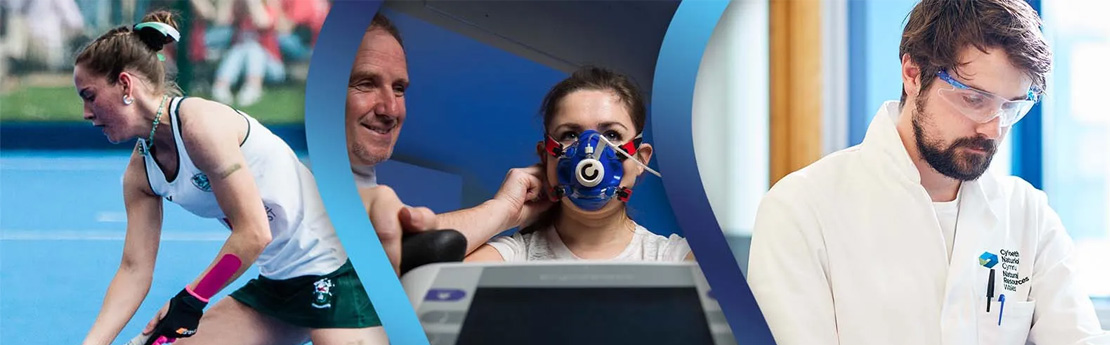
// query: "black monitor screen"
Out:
[541,316]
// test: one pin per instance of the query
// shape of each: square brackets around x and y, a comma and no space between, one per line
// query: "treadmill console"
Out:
[566,303]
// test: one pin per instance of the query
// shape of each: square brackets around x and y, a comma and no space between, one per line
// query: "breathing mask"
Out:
[590,169]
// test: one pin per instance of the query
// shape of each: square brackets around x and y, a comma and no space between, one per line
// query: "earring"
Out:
[127,100]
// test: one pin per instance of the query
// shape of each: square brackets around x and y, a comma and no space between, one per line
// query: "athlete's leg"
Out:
[349,336]
[233,323]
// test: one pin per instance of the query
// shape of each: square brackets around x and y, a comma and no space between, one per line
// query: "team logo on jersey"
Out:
[201,182]
[321,291]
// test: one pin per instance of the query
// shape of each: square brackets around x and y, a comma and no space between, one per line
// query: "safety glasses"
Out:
[981,106]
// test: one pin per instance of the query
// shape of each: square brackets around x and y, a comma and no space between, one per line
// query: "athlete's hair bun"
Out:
[157,29]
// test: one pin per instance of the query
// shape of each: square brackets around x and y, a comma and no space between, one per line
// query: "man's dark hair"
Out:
[937,30]
[382,22]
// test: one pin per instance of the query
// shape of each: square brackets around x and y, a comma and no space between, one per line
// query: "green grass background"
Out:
[281,104]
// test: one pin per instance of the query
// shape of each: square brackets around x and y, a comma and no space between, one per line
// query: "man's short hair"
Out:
[937,30]
[382,22]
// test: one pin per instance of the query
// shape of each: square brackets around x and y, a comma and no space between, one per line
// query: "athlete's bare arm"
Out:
[140,248]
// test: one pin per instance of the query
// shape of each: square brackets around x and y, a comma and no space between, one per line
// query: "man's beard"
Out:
[948,161]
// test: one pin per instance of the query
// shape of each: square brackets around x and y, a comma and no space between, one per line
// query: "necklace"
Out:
[154,126]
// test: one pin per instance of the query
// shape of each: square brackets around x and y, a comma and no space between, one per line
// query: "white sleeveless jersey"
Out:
[304,239]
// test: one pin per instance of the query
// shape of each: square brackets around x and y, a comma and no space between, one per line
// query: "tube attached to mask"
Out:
[591,168]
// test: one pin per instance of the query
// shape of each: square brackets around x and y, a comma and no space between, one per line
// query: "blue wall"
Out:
[439,191]
[473,111]
[874,32]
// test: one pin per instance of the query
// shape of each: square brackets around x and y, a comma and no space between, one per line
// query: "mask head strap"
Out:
[555,193]
[553,147]
[624,193]
[631,146]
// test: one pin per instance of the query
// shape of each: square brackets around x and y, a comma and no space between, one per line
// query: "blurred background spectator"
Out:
[252,54]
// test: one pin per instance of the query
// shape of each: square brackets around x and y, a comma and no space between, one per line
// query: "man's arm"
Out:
[518,203]
[479,223]
[787,268]
[1064,313]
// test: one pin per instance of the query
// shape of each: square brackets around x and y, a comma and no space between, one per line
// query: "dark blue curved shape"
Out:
[676,70]
[325,101]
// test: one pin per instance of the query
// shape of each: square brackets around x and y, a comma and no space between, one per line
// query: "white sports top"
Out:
[304,239]
[546,245]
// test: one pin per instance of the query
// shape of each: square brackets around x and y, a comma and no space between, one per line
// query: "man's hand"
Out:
[518,203]
[522,196]
[391,219]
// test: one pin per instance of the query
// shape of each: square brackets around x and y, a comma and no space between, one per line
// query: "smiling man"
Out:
[376,99]
[375,113]
[907,238]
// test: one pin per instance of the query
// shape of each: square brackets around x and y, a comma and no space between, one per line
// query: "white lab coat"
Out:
[849,251]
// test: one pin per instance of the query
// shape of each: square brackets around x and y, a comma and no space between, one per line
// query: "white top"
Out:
[847,251]
[365,176]
[547,245]
[946,215]
[304,240]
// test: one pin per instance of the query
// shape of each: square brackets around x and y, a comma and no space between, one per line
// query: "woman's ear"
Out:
[541,153]
[643,153]
[127,82]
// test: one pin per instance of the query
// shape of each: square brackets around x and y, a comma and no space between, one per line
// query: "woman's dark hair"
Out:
[125,49]
[596,79]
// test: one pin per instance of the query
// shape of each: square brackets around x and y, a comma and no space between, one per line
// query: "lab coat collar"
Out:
[882,140]
[885,144]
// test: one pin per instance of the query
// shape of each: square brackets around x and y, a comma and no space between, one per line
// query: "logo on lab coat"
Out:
[1011,260]
[988,259]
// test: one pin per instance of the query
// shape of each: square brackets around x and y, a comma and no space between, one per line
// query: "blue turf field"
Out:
[62,224]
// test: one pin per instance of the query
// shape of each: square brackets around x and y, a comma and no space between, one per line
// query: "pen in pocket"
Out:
[990,289]
[1001,306]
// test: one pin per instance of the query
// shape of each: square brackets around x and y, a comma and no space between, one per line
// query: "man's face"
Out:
[953,144]
[376,98]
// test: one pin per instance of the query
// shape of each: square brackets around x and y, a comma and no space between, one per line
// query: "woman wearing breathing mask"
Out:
[591,158]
